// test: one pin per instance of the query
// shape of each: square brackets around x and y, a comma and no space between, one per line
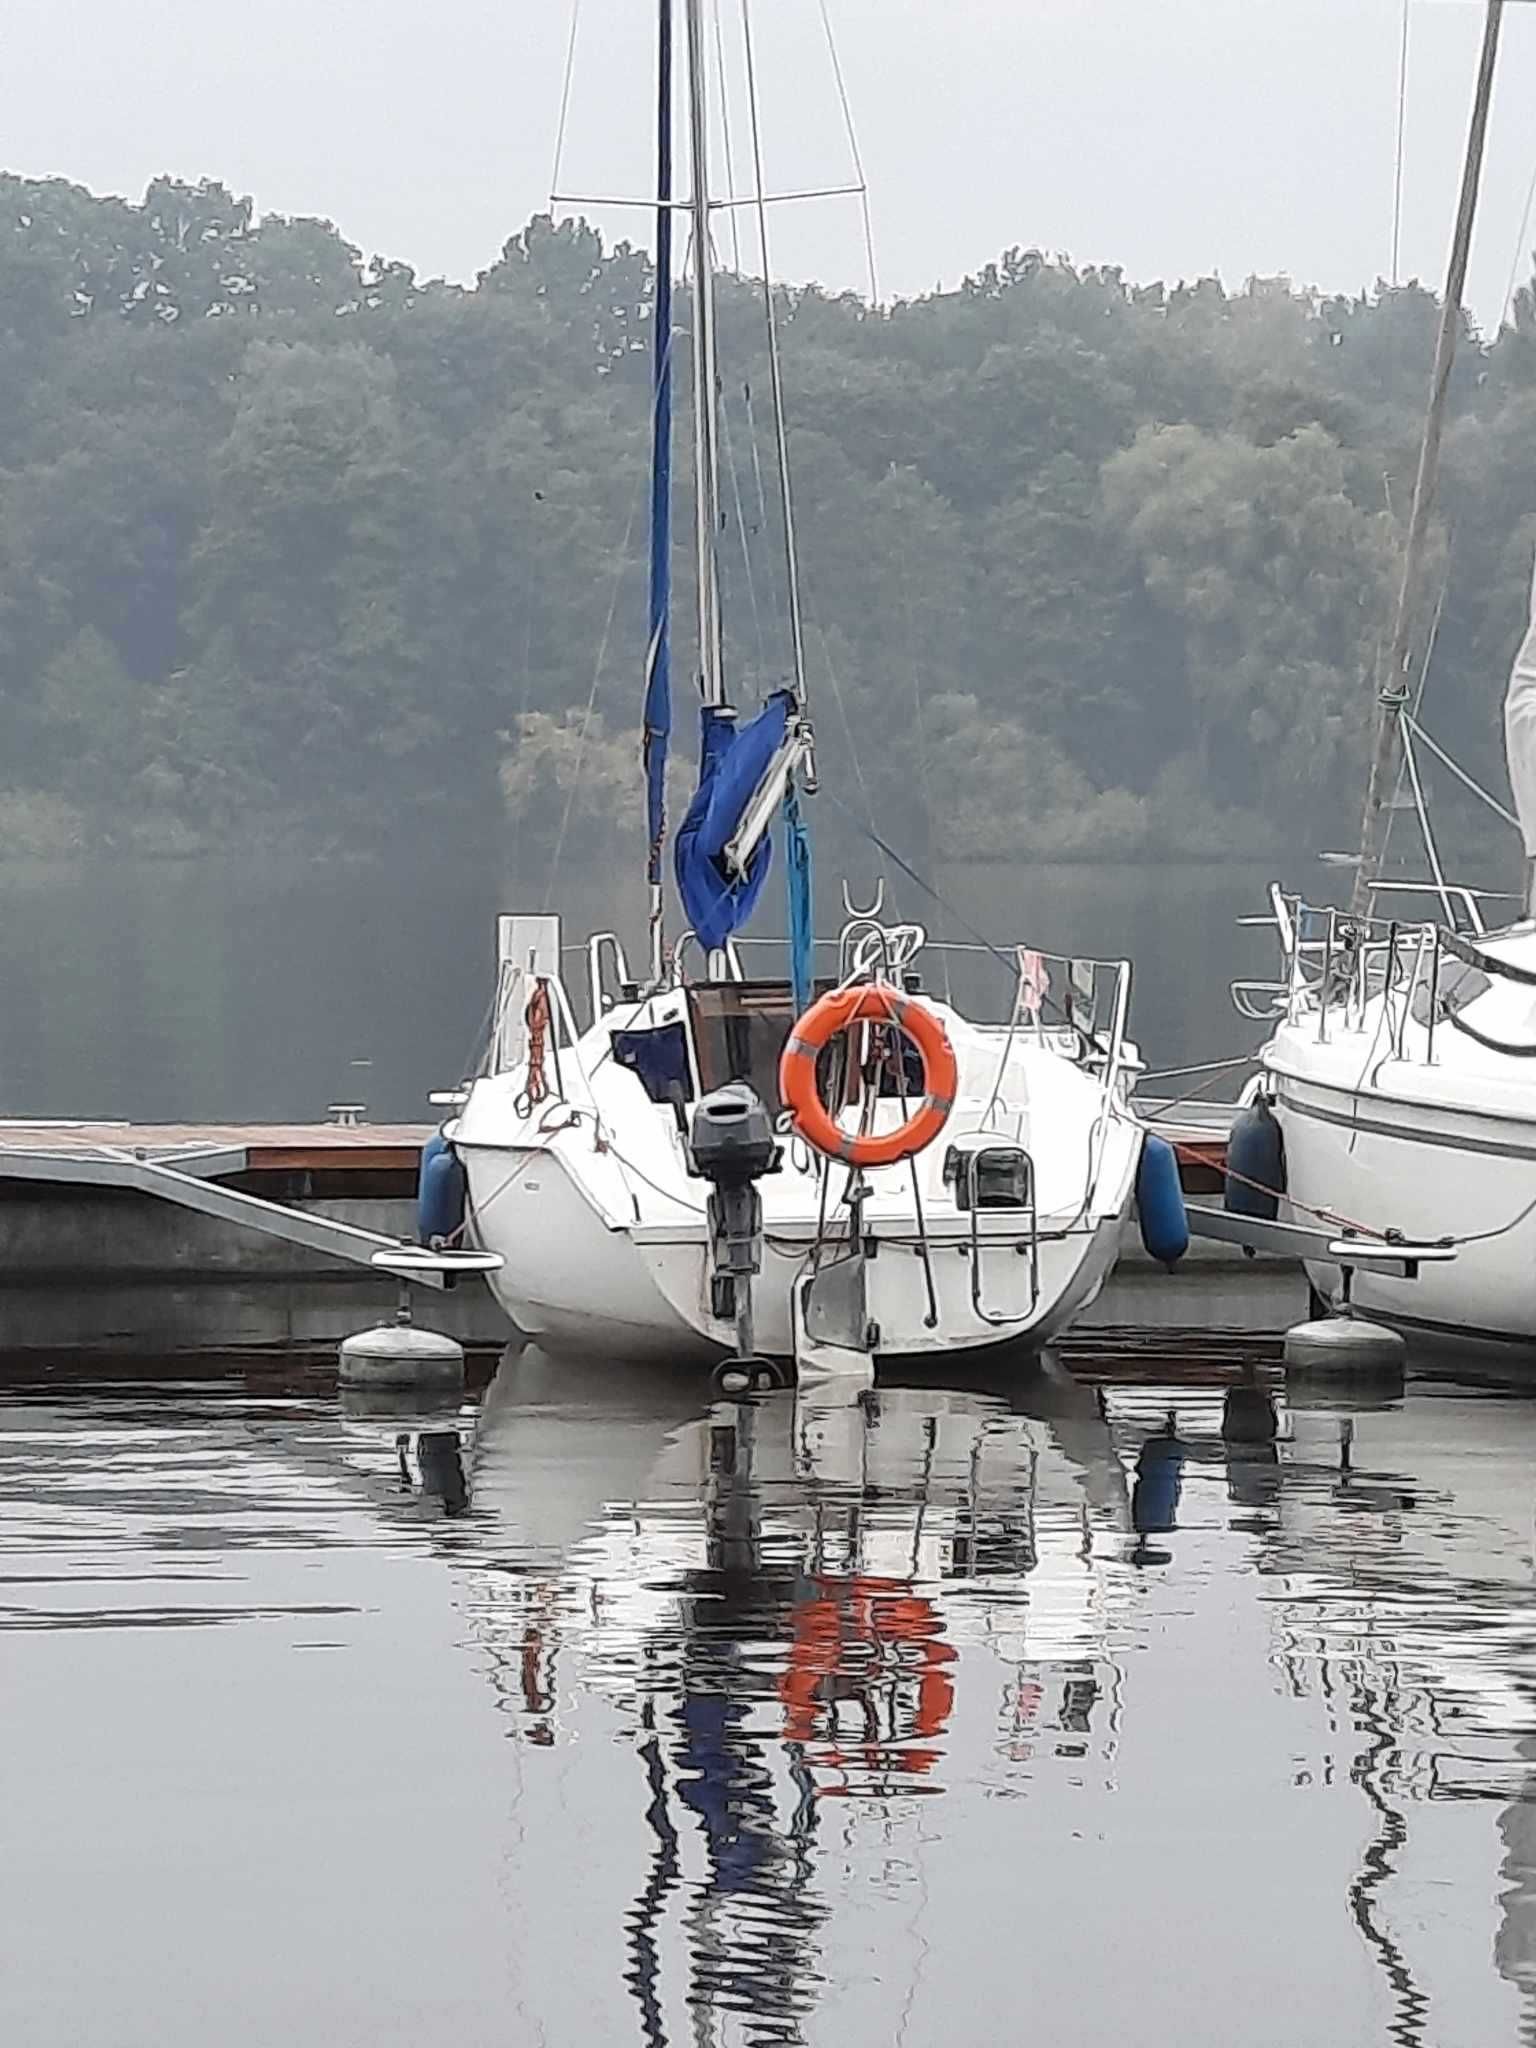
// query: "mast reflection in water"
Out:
[779,1612]
[1202,1709]
[810,1622]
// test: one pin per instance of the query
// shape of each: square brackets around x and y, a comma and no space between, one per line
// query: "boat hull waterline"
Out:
[1425,1172]
[573,1282]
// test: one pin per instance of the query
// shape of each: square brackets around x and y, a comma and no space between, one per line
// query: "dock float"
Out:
[218,1172]
[151,1239]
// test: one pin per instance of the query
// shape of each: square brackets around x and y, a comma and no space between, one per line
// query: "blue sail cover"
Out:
[657,733]
[732,761]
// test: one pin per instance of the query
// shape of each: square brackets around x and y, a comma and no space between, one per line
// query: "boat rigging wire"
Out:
[853,745]
[1432,852]
[927,887]
[515,855]
[565,102]
[621,563]
[1418,695]
[925,779]
[1397,176]
[1010,967]
[1195,1094]
[775,372]
[733,471]
[619,199]
[1413,726]
[760,488]
[1393,679]
[725,131]
[733,206]
[853,150]
[1200,1067]
[1523,251]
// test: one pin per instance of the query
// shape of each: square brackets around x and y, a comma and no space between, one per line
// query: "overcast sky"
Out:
[1173,137]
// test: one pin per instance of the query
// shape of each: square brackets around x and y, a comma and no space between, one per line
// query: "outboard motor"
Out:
[732,1146]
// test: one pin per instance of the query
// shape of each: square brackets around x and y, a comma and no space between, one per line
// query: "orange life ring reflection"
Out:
[875,1644]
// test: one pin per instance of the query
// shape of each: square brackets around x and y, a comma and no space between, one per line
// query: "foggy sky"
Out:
[1174,137]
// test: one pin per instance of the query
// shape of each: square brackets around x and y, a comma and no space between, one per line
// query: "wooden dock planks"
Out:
[1197,1130]
[267,1148]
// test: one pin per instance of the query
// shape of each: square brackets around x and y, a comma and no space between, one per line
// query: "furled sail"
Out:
[1520,733]
[732,762]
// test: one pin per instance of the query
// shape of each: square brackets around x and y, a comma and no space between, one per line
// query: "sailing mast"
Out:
[705,454]
[722,851]
[1393,695]
[658,660]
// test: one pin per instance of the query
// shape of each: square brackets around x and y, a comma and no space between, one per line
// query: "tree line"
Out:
[294,543]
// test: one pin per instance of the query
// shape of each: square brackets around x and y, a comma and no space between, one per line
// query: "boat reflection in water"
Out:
[841,1699]
[775,1598]
[1182,1706]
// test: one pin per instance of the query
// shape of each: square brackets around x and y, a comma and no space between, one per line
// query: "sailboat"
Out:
[832,1167]
[1400,1073]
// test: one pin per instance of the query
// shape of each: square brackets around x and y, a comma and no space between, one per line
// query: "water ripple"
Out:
[856,1721]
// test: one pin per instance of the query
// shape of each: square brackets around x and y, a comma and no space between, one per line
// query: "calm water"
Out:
[599,1715]
[215,989]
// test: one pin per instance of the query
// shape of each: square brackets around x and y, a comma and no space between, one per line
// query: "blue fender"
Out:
[1159,1482]
[1255,1164]
[441,1191]
[1160,1203]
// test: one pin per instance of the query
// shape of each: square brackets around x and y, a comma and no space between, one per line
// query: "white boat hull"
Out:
[574,1282]
[1428,1171]
[1412,1109]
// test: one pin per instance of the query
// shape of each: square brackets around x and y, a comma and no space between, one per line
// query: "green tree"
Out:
[292,540]
[1278,583]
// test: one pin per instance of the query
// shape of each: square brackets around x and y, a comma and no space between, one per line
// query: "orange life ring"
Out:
[868,1003]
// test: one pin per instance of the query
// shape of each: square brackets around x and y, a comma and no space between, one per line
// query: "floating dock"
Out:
[216,1150]
[149,1240]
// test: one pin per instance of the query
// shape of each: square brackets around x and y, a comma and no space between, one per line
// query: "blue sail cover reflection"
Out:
[781,1607]
[778,1672]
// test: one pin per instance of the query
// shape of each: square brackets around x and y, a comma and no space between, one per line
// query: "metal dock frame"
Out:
[1306,1241]
[189,1184]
